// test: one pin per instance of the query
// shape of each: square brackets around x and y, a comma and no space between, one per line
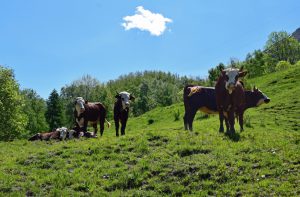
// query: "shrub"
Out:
[282,65]
[150,121]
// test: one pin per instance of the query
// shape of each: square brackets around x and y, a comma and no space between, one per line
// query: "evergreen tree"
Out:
[54,113]
[12,120]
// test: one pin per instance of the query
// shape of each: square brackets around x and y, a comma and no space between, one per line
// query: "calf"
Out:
[121,110]
[56,134]
[86,112]
[227,98]
[203,99]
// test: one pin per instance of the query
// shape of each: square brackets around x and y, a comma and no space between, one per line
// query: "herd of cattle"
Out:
[228,98]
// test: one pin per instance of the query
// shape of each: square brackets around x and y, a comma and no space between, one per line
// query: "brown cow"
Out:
[121,110]
[57,134]
[227,99]
[86,112]
[203,99]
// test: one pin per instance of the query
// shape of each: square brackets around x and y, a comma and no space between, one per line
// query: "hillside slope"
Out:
[157,157]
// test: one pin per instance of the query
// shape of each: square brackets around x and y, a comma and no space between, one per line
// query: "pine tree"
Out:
[54,113]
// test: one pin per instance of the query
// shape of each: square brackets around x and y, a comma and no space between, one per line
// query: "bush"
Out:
[282,65]
[150,121]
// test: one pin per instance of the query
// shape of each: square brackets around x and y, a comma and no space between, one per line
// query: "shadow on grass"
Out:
[235,137]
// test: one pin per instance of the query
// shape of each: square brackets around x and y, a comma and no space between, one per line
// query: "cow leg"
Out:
[117,125]
[85,124]
[102,122]
[221,118]
[185,121]
[190,118]
[226,124]
[95,129]
[231,121]
[123,127]
[241,121]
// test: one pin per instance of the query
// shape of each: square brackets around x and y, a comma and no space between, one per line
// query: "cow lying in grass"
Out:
[58,134]
[61,134]
[204,99]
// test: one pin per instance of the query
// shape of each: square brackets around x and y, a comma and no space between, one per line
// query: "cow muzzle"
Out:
[230,87]
[267,100]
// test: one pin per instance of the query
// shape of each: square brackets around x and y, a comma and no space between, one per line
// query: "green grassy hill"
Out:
[157,157]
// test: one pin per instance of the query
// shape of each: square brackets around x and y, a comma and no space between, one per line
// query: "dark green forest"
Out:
[24,112]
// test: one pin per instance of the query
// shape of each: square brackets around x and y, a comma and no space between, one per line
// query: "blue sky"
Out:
[51,43]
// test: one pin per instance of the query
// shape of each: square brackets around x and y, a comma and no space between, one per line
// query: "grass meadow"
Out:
[157,157]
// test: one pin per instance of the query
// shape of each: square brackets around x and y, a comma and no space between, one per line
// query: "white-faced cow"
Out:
[57,134]
[227,98]
[88,112]
[121,110]
[203,99]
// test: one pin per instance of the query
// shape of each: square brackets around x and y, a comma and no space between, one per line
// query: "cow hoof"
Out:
[221,130]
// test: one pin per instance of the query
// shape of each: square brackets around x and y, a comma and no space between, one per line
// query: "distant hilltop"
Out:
[296,34]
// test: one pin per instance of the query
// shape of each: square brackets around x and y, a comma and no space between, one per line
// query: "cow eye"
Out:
[226,77]
[122,99]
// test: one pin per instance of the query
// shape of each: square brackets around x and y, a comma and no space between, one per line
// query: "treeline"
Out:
[150,88]
[24,112]
[280,52]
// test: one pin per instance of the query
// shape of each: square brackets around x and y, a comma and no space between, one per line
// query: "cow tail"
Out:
[108,123]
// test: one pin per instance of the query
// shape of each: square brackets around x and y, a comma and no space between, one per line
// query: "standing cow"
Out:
[226,97]
[203,99]
[121,110]
[86,112]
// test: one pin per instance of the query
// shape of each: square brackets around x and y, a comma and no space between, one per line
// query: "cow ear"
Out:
[243,73]
[254,88]
[117,96]
[131,97]
[86,102]
[223,72]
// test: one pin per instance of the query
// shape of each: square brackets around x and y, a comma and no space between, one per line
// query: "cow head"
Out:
[79,105]
[231,76]
[260,97]
[62,133]
[125,97]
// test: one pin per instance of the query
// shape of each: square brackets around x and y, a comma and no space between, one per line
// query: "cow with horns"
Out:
[229,96]
[87,112]
[121,110]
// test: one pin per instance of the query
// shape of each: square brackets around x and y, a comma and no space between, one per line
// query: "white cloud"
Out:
[145,20]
